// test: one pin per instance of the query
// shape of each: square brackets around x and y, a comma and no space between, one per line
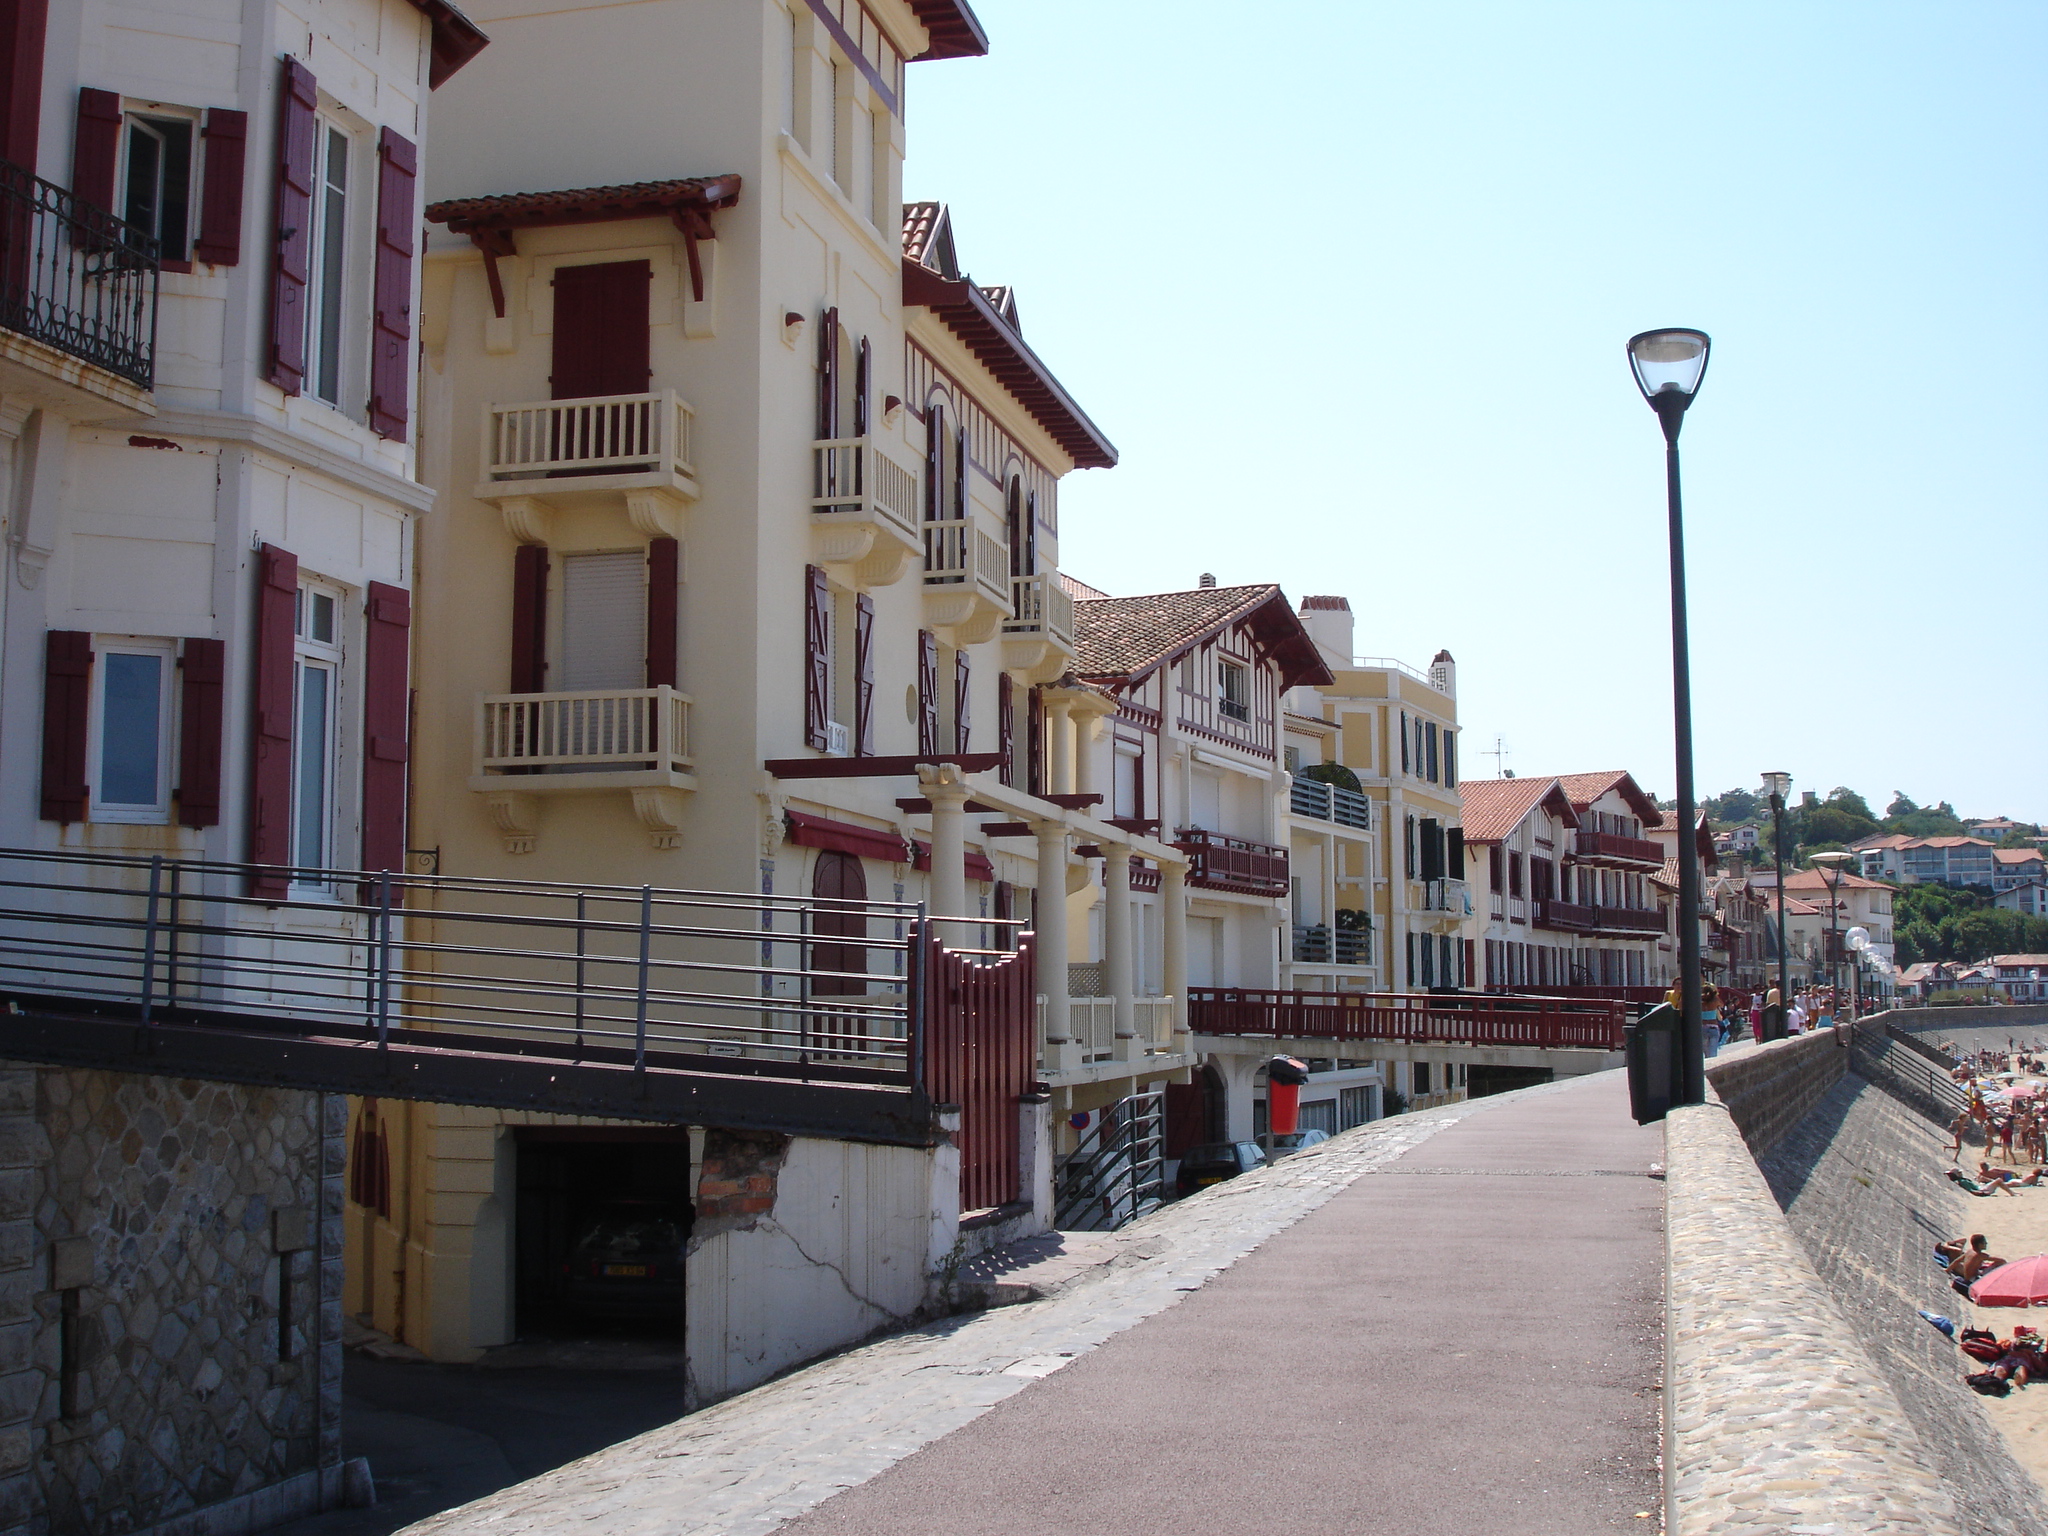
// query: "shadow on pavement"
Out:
[441,1435]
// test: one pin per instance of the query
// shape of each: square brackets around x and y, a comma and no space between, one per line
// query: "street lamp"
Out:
[1778,786]
[1833,861]
[1858,940]
[1668,367]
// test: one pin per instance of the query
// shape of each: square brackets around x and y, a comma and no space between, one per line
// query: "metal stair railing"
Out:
[1118,1172]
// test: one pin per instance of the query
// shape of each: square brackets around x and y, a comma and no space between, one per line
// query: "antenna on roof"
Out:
[1500,754]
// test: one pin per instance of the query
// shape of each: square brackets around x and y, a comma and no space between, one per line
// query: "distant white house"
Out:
[2029,900]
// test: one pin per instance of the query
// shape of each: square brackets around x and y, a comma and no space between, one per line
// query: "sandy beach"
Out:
[2017,1228]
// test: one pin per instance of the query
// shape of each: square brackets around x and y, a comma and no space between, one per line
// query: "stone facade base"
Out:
[347,1486]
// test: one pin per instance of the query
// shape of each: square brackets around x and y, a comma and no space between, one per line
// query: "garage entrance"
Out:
[604,1216]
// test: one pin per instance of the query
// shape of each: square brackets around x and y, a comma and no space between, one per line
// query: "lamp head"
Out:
[1778,784]
[1833,859]
[1669,365]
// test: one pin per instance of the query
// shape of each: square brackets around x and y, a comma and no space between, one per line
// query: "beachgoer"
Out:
[1971,1186]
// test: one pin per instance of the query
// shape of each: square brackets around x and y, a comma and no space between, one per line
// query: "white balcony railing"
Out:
[602,435]
[1041,606]
[618,729]
[1152,1017]
[852,474]
[956,553]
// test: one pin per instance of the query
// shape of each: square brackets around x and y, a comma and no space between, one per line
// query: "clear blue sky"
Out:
[1348,283]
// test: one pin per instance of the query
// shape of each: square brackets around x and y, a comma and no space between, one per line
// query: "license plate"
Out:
[626,1271]
[1204,1182]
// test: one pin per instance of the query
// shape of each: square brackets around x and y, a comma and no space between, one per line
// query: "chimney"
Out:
[1208,579]
[1329,623]
[1443,674]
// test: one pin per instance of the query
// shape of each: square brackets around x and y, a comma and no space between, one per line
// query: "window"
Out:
[1233,691]
[1429,751]
[316,678]
[329,274]
[157,189]
[131,731]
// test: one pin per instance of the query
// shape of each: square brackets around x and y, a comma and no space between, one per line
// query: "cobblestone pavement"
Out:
[1860,1180]
[747,1466]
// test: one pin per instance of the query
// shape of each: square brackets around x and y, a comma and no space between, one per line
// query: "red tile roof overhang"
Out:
[454,40]
[968,313]
[1276,632]
[954,28]
[490,221]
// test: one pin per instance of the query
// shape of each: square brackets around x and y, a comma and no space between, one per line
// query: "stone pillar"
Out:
[947,791]
[1173,926]
[1116,948]
[1084,756]
[1059,746]
[1050,914]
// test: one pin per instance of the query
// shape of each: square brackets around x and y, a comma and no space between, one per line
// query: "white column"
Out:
[1116,947]
[1084,755]
[1049,913]
[1173,901]
[947,792]
[1059,746]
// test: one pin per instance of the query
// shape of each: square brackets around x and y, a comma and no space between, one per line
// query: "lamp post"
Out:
[1778,786]
[1833,861]
[1668,366]
[1858,940]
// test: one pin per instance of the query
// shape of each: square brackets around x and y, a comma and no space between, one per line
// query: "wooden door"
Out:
[601,319]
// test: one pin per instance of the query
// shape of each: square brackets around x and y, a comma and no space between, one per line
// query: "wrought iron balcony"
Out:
[1330,802]
[76,278]
[1220,863]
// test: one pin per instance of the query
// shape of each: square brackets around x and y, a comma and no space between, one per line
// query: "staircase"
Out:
[1118,1172]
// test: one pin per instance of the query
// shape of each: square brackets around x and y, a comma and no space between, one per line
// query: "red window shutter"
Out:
[927,695]
[864,676]
[294,226]
[961,701]
[387,699]
[1006,727]
[67,703]
[24,26]
[601,340]
[1031,534]
[960,481]
[1034,743]
[530,619]
[863,382]
[97,148]
[817,657]
[391,327]
[664,574]
[828,375]
[201,693]
[220,201]
[270,743]
[934,463]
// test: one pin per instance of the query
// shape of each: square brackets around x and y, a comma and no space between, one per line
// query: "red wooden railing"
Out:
[1475,1020]
[1612,845]
[981,1053]
[1220,863]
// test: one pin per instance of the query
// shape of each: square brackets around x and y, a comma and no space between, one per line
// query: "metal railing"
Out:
[853,475]
[597,435]
[1330,802]
[74,277]
[1389,664]
[1039,605]
[1118,1172]
[1320,944]
[613,973]
[1474,1019]
[1453,896]
[956,553]
[627,728]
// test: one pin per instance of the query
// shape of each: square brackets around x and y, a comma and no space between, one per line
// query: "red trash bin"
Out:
[1284,1078]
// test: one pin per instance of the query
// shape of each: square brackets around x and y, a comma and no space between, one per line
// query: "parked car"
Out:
[1215,1162]
[1278,1147]
[629,1260]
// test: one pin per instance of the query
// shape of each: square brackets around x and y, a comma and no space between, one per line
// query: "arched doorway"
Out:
[838,878]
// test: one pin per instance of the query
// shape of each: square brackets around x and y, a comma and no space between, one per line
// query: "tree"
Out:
[1900,805]
[1848,800]
[1937,821]
[1733,807]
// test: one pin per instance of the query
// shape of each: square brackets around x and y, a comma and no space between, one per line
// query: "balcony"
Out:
[1452,896]
[966,580]
[531,745]
[1219,863]
[1330,802]
[864,510]
[1563,916]
[1626,920]
[77,285]
[1038,637]
[541,455]
[1323,945]
[1612,848]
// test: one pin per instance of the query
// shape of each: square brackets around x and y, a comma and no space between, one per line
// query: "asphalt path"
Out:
[1468,1340]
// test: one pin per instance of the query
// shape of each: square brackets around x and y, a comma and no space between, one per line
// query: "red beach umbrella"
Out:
[2022,1283]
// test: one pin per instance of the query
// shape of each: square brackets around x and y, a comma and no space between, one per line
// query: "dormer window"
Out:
[1233,690]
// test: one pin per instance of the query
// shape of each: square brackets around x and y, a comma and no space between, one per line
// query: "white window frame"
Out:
[1233,704]
[321,289]
[138,116]
[158,812]
[310,653]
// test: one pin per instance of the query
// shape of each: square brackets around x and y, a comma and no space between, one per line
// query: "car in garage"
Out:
[1214,1162]
[628,1261]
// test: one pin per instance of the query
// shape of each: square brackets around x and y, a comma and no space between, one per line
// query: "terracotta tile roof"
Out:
[1127,637]
[2017,855]
[1585,788]
[921,222]
[956,32]
[2019,959]
[587,205]
[1493,808]
[1794,907]
[1814,880]
[1078,589]
[1889,840]
[1949,842]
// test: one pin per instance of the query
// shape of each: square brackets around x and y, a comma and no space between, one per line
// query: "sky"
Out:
[1349,284]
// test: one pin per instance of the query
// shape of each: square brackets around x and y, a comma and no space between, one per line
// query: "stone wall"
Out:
[1769,1089]
[169,1296]
[2016,1017]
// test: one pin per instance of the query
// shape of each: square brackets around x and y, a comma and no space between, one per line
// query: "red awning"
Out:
[976,862]
[844,837]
